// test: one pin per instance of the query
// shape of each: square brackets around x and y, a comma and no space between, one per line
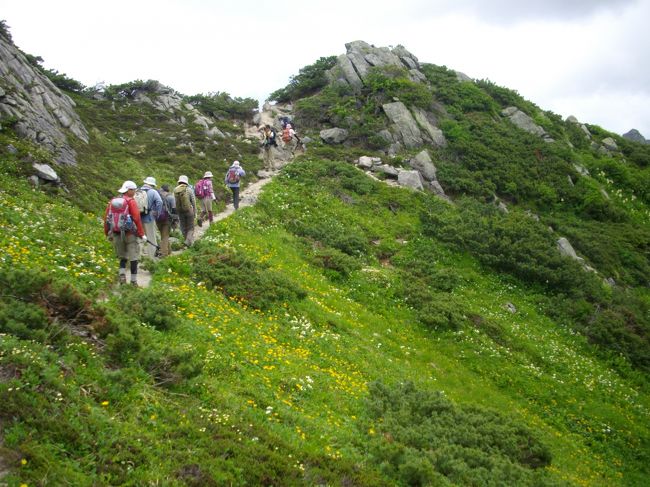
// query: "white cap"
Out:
[183,179]
[236,163]
[151,181]
[127,185]
[207,174]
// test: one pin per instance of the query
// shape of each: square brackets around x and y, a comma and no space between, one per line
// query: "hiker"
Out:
[167,219]
[149,211]
[269,141]
[123,227]
[288,136]
[234,173]
[205,193]
[185,208]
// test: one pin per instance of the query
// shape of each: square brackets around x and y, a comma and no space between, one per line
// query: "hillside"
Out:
[346,329]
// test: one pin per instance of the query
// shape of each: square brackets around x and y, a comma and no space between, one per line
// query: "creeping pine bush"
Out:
[420,437]
[238,276]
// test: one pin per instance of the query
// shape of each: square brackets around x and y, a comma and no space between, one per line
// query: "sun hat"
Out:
[127,185]
[208,174]
[236,163]
[151,181]
[183,179]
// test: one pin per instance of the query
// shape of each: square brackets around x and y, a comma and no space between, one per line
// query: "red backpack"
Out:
[201,188]
[286,134]
[119,218]
[233,175]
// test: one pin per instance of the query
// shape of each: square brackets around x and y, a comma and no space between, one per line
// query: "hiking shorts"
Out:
[127,247]
[206,204]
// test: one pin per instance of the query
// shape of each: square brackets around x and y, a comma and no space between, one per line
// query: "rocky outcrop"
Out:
[582,126]
[411,179]
[423,163]
[334,136]
[524,122]
[353,67]
[44,114]
[635,136]
[404,124]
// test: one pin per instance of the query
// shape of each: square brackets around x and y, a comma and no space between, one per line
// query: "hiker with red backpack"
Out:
[234,173]
[123,227]
[205,193]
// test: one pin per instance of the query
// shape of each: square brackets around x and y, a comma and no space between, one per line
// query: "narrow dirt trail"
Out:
[248,195]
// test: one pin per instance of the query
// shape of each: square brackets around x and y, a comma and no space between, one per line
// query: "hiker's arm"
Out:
[135,215]
[106,219]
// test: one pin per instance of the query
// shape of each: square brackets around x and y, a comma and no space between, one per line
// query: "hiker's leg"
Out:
[122,271]
[134,272]
[150,232]
[163,228]
[132,254]
[235,197]
[210,217]
[208,208]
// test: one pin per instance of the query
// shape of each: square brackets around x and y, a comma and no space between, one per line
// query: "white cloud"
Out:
[574,57]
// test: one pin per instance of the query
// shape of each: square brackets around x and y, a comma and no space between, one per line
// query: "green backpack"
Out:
[182,197]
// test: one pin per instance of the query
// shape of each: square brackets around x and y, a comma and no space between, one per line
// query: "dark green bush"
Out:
[336,263]
[235,275]
[221,105]
[150,306]
[308,80]
[421,436]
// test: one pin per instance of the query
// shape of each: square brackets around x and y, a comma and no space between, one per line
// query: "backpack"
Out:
[287,121]
[233,175]
[166,211]
[286,134]
[201,189]
[182,197]
[118,218]
[142,200]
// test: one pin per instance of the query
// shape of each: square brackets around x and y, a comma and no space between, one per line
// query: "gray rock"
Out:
[405,124]
[511,308]
[45,172]
[11,149]
[503,208]
[417,76]
[46,115]
[610,144]
[610,281]
[523,121]
[386,169]
[365,162]
[423,163]
[566,248]
[434,134]
[436,188]
[334,136]
[387,136]
[583,171]
[410,179]
[462,76]
[2,92]
[570,180]
[349,73]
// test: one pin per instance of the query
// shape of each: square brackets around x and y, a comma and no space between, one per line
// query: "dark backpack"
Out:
[118,218]
[166,211]
[233,175]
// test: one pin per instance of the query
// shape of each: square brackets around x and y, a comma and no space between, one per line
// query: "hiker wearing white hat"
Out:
[234,173]
[150,204]
[185,208]
[205,193]
[122,226]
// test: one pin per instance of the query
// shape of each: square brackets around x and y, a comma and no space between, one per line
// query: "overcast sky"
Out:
[588,58]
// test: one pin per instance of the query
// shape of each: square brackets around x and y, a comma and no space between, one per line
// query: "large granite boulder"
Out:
[610,144]
[431,132]
[44,114]
[422,162]
[410,179]
[404,124]
[334,136]
[524,122]
[565,248]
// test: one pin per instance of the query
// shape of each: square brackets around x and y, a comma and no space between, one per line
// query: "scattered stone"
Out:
[610,144]
[583,171]
[334,135]
[524,122]
[365,162]
[422,162]
[410,179]
[45,172]
[565,248]
[511,308]
[11,149]
[610,281]
[386,169]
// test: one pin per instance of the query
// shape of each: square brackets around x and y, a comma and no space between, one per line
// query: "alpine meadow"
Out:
[441,284]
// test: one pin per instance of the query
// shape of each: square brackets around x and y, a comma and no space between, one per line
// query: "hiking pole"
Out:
[151,243]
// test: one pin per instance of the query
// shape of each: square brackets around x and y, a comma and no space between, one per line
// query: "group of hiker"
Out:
[132,218]
[290,140]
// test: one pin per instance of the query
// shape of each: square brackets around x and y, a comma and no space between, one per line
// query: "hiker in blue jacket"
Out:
[232,181]
[154,205]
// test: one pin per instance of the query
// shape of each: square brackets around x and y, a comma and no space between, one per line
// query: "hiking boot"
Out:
[199,222]
[122,279]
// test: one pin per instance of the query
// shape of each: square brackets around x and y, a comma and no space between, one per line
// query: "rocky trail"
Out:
[249,194]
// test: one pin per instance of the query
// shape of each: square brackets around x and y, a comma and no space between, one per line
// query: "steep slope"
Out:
[342,331]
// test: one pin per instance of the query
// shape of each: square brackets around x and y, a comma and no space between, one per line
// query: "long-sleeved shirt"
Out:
[154,202]
[133,211]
